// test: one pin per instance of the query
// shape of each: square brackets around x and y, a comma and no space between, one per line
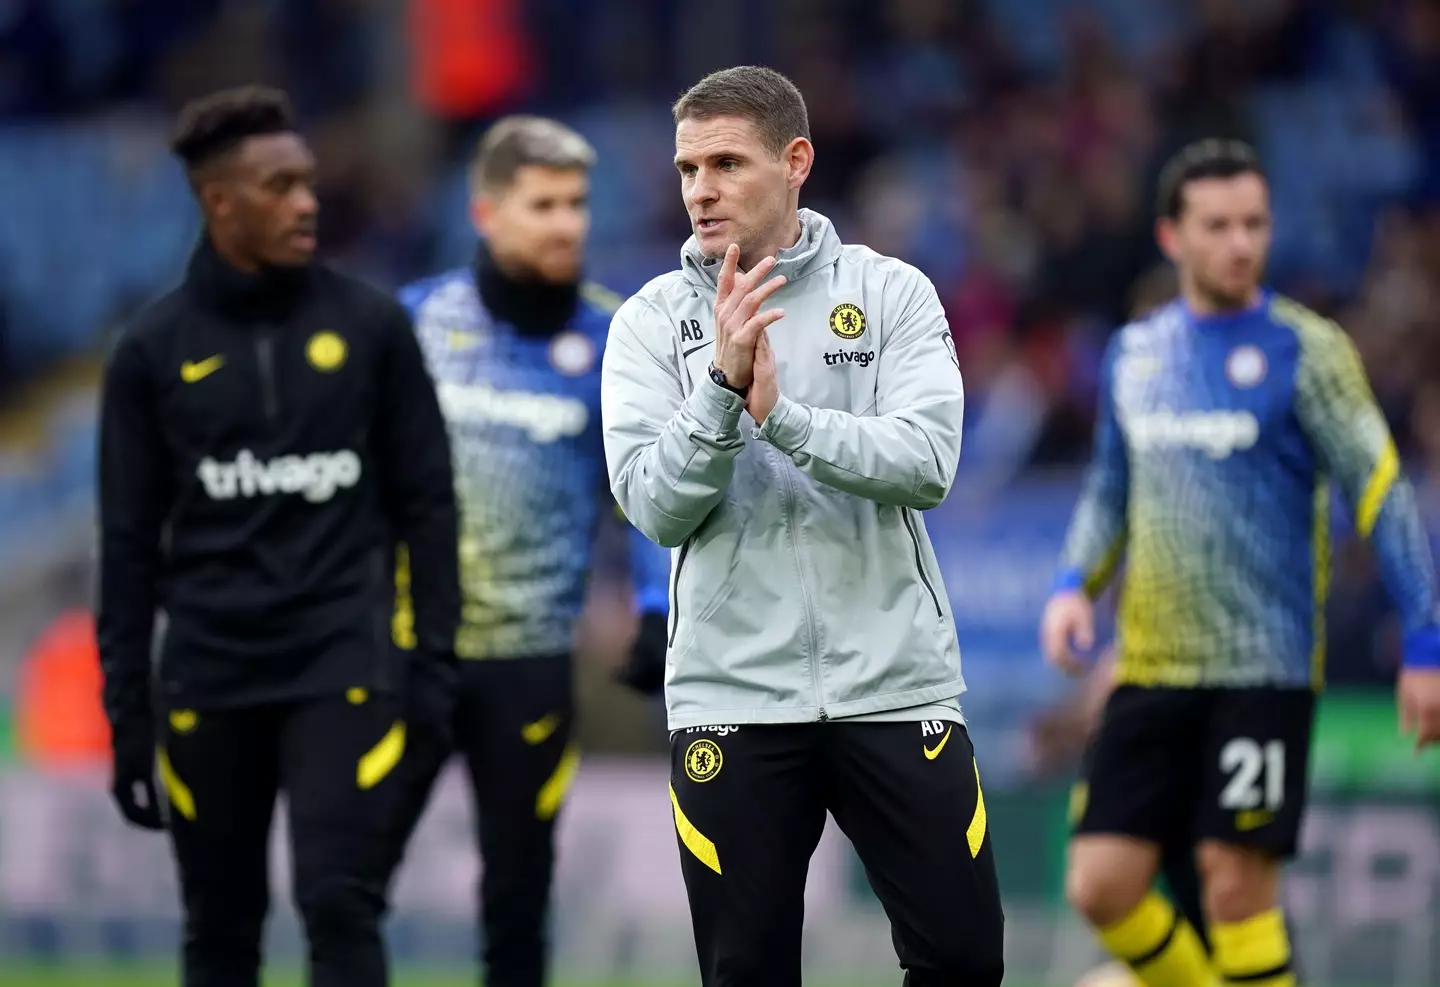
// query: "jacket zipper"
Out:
[804,592]
[919,561]
[675,592]
[265,354]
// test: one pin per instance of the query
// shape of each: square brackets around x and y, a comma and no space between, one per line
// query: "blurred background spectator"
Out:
[1008,148]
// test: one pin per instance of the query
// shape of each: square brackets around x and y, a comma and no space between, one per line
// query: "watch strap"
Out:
[718,376]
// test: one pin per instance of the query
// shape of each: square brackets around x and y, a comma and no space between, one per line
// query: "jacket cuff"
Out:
[787,427]
[714,407]
[1068,581]
[1422,648]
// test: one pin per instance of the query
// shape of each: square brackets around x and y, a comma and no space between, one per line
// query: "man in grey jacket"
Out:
[785,453]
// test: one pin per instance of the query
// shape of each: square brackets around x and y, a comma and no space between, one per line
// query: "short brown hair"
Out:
[763,96]
[517,141]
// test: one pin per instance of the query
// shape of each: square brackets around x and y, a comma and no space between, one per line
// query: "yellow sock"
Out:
[1255,952]
[1159,945]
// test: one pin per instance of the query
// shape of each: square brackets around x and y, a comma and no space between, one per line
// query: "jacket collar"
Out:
[270,294]
[817,248]
[532,307]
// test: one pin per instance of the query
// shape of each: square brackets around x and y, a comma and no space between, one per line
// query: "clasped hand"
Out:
[742,349]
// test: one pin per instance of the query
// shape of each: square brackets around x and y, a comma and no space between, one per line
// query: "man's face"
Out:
[267,195]
[538,224]
[1222,237]
[735,190]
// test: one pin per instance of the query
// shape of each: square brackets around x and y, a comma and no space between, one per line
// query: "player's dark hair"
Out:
[518,141]
[1210,158]
[215,125]
[761,95]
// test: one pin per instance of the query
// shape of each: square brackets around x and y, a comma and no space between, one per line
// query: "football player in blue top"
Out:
[514,344]
[1225,418]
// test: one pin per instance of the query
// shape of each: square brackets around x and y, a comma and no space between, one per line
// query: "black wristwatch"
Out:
[718,376]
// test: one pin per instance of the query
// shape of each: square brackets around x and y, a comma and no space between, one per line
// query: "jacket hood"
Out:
[817,248]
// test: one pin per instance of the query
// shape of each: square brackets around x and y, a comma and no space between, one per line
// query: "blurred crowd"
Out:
[1009,148]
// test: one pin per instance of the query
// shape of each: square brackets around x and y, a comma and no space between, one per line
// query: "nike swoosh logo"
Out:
[191,372]
[540,731]
[1251,819]
[931,753]
[697,349]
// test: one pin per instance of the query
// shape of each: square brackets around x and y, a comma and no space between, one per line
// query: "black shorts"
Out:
[1176,766]
[750,804]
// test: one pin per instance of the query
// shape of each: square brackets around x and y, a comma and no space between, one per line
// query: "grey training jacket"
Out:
[803,583]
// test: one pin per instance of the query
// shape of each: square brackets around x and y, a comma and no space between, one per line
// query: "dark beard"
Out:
[1226,302]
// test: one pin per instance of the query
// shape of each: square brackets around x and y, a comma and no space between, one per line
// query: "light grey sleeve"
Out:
[670,457]
[906,455]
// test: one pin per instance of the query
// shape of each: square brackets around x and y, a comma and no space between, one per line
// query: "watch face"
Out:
[718,376]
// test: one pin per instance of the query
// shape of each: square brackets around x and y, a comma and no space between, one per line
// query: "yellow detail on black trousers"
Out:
[979,824]
[513,730]
[552,794]
[750,804]
[692,839]
[334,760]
[176,791]
[376,763]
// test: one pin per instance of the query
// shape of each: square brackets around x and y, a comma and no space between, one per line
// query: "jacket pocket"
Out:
[708,559]
[675,588]
[920,561]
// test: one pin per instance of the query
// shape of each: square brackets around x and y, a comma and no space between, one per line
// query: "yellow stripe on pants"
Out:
[975,832]
[179,794]
[381,759]
[557,786]
[695,841]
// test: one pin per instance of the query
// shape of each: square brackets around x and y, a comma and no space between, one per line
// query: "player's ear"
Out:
[482,213]
[1168,238]
[799,158]
[216,202]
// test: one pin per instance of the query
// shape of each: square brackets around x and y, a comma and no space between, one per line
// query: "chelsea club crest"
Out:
[1245,366]
[572,354]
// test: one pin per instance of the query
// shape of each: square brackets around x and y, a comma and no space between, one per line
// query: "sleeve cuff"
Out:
[715,408]
[787,426]
[1068,581]
[1422,648]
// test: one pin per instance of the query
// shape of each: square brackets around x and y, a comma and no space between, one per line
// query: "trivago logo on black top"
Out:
[316,477]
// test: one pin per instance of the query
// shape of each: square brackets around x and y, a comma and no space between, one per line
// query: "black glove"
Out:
[133,781]
[430,703]
[645,671]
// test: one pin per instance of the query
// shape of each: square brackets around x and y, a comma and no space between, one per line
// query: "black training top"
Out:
[265,442]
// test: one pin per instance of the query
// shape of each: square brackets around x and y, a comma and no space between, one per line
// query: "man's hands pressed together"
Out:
[739,323]
[765,388]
